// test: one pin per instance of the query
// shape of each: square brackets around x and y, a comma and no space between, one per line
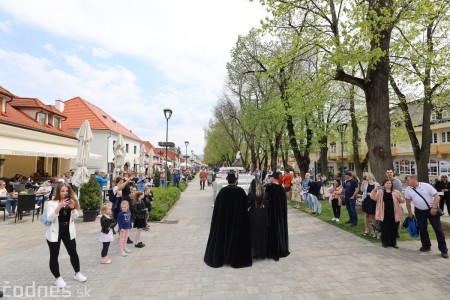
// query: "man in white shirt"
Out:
[43,193]
[426,201]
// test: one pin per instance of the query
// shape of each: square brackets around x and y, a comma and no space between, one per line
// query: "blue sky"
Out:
[131,58]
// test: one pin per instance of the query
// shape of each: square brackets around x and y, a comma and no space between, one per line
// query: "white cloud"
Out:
[102,53]
[50,48]
[6,26]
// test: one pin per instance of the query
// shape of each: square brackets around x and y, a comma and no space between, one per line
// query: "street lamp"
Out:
[341,129]
[167,115]
[186,143]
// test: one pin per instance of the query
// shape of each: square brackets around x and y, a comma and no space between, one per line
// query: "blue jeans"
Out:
[307,198]
[162,182]
[423,216]
[316,203]
[9,203]
[350,204]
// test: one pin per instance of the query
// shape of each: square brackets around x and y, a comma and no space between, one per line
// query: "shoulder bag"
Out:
[439,211]
[43,219]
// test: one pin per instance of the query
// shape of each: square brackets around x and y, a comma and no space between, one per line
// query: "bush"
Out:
[183,185]
[163,200]
[90,196]
[156,178]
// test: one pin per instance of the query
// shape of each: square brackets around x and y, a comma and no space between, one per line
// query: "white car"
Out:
[244,181]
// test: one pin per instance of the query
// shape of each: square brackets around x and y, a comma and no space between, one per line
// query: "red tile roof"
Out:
[162,153]
[19,102]
[77,110]
[15,117]
[149,146]
[5,92]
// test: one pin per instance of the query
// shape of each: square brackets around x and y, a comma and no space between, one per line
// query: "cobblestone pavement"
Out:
[325,263]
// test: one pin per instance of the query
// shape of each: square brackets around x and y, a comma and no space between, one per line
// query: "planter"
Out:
[89,216]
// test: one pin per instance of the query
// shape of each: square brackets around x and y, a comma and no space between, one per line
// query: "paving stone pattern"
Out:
[325,263]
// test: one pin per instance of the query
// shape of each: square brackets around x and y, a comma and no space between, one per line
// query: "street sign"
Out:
[166,144]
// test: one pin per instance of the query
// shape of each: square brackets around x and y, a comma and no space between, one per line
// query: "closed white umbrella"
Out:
[85,137]
[119,155]
[142,158]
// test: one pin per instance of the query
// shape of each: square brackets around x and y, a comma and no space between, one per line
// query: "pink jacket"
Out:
[379,211]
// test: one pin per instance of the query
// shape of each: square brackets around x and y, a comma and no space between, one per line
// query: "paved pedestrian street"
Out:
[325,263]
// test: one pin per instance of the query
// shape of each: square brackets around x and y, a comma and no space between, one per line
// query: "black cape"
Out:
[229,240]
[259,222]
[278,227]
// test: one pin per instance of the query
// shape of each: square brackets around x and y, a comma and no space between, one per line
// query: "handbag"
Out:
[412,226]
[43,219]
[439,211]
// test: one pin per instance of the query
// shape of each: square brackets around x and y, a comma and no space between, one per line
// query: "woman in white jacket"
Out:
[61,212]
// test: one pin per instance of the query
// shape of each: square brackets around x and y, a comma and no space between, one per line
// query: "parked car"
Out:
[244,181]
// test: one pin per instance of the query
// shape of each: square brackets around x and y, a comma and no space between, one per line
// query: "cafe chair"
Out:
[25,203]
[3,207]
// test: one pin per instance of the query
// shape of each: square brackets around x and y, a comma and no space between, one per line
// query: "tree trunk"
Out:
[323,160]
[355,134]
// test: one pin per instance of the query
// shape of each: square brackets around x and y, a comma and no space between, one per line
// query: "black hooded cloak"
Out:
[278,227]
[229,238]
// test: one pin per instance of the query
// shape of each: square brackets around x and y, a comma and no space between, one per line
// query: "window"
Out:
[393,145]
[333,148]
[41,118]
[433,116]
[446,137]
[126,148]
[351,166]
[433,168]
[57,123]
[446,113]
[135,149]
[434,138]
[406,167]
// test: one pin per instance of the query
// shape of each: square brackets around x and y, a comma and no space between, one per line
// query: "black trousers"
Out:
[445,201]
[71,247]
[202,185]
[423,216]
[336,208]
[105,248]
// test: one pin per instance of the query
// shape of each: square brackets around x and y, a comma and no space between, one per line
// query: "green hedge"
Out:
[163,200]
[183,185]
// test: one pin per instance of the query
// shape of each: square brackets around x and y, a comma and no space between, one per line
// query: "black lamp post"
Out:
[167,115]
[341,128]
[186,143]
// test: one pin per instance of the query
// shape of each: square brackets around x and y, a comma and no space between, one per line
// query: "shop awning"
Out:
[12,146]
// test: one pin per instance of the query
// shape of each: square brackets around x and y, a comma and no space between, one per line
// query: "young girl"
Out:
[62,211]
[139,213]
[106,235]
[148,198]
[124,221]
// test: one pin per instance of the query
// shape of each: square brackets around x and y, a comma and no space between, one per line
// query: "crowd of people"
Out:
[381,203]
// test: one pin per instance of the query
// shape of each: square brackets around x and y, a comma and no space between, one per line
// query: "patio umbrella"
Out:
[142,158]
[85,137]
[119,155]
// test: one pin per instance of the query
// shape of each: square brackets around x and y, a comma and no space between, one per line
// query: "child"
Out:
[106,235]
[124,221]
[148,198]
[139,213]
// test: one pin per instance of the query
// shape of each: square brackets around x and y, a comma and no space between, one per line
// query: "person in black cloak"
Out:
[278,227]
[229,240]
[259,219]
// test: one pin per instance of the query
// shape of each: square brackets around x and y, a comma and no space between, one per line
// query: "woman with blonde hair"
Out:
[368,205]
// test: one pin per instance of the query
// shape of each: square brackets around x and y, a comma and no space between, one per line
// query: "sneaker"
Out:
[334,219]
[424,249]
[127,250]
[129,241]
[444,255]
[60,283]
[79,277]
[123,253]
[140,245]
[337,220]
